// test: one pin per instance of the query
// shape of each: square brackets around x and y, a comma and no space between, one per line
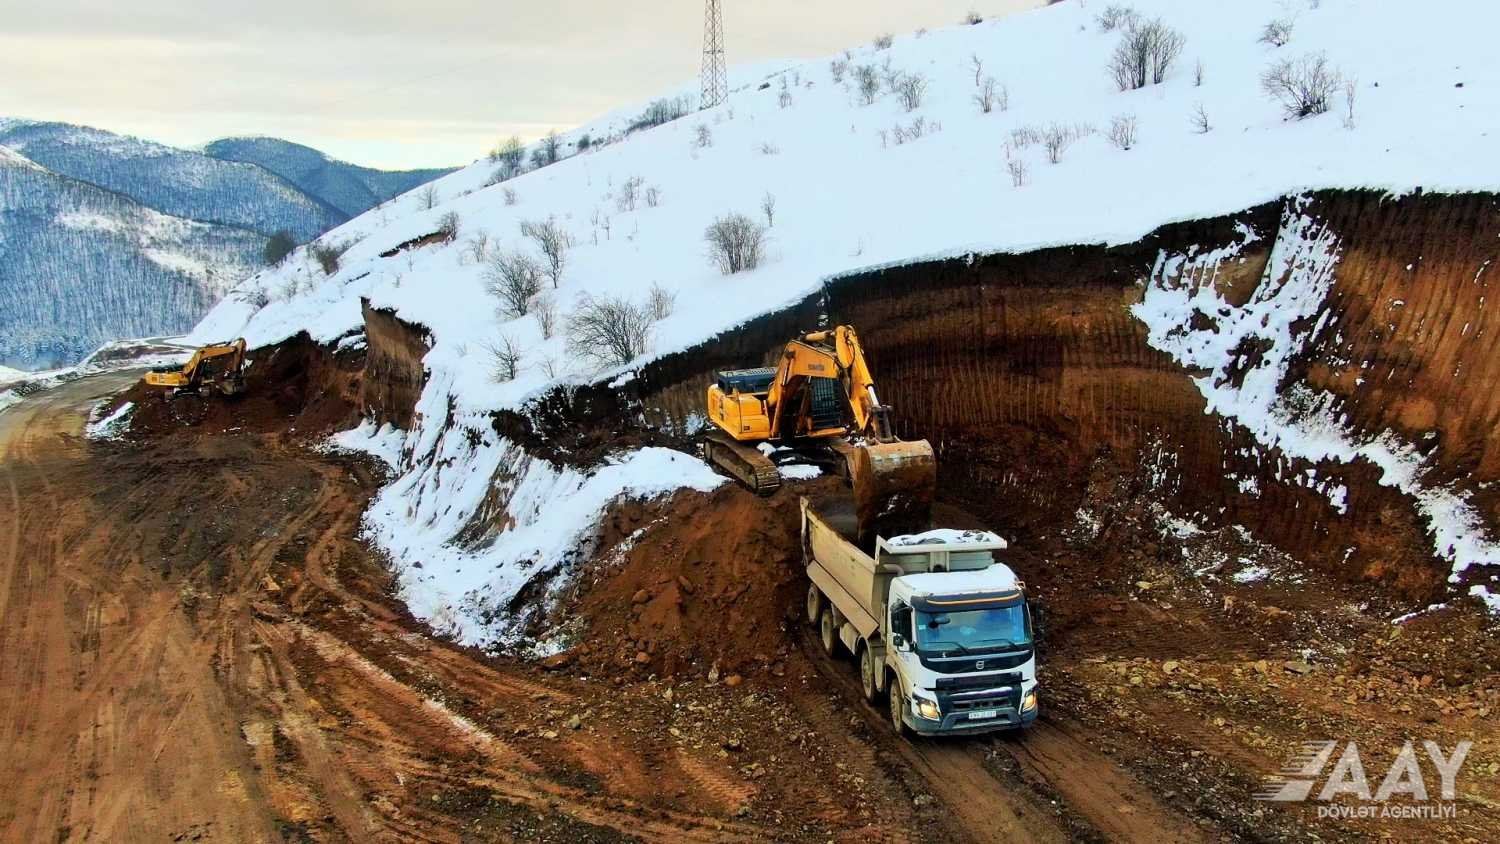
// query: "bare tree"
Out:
[985,98]
[910,89]
[505,358]
[629,194]
[653,196]
[513,278]
[768,207]
[735,243]
[867,79]
[703,137]
[838,67]
[978,64]
[1200,120]
[1002,98]
[610,331]
[478,246]
[1146,52]
[1018,172]
[553,241]
[1122,131]
[1351,88]
[278,247]
[448,226]
[1199,72]
[427,197]
[544,308]
[551,147]
[1302,86]
[510,154]
[1277,32]
[785,99]
[884,42]
[510,196]
[660,302]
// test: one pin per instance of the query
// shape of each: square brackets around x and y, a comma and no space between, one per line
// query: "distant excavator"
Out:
[818,405]
[219,367]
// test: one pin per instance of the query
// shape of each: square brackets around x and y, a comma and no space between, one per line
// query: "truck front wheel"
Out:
[867,674]
[898,709]
[814,603]
[826,631]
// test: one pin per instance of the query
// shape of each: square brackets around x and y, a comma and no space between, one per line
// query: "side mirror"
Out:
[898,641]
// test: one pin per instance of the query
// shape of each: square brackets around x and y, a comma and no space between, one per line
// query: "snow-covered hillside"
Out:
[861,181]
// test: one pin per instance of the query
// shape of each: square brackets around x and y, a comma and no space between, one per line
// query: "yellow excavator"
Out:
[818,405]
[219,367]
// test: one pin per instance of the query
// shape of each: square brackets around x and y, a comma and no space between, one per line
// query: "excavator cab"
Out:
[819,405]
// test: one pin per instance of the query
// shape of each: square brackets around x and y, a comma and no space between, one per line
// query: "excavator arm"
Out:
[221,365]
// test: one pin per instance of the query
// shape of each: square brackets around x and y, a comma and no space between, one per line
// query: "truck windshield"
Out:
[973,629]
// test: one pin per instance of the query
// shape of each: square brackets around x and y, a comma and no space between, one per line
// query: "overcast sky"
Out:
[396,84]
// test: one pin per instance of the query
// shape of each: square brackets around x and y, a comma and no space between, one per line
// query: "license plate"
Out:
[981,714]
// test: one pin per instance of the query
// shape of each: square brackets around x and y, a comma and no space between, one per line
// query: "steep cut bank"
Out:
[1359,320]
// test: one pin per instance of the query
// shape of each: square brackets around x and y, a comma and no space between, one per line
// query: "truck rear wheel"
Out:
[814,603]
[826,630]
[867,674]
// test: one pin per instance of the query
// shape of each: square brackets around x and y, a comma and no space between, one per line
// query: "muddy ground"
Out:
[196,646]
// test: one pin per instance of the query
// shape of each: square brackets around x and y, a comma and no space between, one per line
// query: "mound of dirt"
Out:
[296,386]
[693,582]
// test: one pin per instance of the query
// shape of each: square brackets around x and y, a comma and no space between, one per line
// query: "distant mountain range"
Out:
[104,236]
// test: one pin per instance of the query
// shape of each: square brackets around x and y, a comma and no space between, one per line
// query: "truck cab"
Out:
[960,650]
[937,623]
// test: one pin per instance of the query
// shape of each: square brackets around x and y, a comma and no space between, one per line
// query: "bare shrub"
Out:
[768,208]
[257,298]
[427,198]
[884,42]
[785,99]
[510,154]
[660,302]
[1302,86]
[978,64]
[505,358]
[703,137]
[1199,72]
[553,241]
[478,246]
[735,243]
[1018,172]
[973,18]
[1351,88]
[1057,137]
[610,331]
[513,278]
[768,148]
[1002,98]
[328,254]
[867,79]
[629,194]
[1146,52]
[1115,17]
[1122,131]
[1277,32]
[544,309]
[1022,137]
[985,98]
[1199,120]
[448,226]
[510,196]
[910,89]
[838,67]
[653,196]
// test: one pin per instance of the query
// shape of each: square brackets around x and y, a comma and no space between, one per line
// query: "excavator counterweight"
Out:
[819,405]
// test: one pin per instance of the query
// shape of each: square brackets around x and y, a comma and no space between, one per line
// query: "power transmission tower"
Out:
[715,80]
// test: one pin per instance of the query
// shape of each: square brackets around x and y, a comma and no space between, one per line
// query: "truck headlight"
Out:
[1028,702]
[927,708]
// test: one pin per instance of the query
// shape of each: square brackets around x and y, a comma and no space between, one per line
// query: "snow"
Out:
[850,198]
[1297,421]
[383,442]
[1251,574]
[110,427]
[8,375]
[947,536]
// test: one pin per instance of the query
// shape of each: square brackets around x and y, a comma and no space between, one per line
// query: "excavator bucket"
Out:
[894,485]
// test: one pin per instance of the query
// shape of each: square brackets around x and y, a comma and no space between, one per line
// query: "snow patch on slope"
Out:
[1249,387]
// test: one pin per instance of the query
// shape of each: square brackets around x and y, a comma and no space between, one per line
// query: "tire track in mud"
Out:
[1054,764]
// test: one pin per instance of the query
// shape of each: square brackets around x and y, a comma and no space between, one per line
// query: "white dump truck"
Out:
[936,623]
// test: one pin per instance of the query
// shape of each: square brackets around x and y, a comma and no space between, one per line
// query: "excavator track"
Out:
[743,462]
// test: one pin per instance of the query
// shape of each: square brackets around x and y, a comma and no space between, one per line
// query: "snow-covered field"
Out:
[854,187]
